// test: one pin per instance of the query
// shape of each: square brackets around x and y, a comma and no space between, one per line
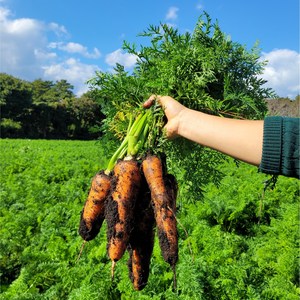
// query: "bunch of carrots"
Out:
[134,195]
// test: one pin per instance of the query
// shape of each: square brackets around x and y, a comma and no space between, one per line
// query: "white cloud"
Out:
[172,13]
[126,59]
[42,55]
[72,47]
[4,13]
[59,30]
[74,71]
[282,72]
[19,40]
[27,53]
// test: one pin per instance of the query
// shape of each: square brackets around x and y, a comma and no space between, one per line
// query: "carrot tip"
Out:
[113,270]
[80,252]
[174,278]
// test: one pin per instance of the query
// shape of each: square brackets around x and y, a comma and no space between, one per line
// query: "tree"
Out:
[63,90]
[15,96]
[15,102]
[43,109]
[40,89]
[86,116]
[50,110]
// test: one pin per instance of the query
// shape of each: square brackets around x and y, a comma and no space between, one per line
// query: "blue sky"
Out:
[71,39]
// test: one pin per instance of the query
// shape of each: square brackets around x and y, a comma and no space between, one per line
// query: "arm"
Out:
[241,139]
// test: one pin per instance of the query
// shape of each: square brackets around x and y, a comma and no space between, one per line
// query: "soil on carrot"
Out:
[169,252]
[170,257]
[92,214]
[128,205]
[142,239]
[89,234]
[144,221]
[111,216]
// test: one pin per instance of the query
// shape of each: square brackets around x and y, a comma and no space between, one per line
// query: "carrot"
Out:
[120,207]
[163,196]
[93,213]
[141,240]
[164,202]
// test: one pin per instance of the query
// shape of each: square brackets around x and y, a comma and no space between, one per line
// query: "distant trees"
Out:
[44,109]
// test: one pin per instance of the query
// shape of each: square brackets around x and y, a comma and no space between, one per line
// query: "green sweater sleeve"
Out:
[281,146]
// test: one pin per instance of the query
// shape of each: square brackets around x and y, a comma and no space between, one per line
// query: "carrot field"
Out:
[236,240]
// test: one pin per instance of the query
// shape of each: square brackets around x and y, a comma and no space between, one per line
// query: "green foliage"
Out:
[15,97]
[43,185]
[43,109]
[205,71]
[247,240]
[236,242]
[10,127]
[47,92]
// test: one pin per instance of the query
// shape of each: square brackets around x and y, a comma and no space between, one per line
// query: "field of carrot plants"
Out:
[236,241]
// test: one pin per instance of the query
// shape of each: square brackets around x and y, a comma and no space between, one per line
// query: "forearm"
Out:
[241,139]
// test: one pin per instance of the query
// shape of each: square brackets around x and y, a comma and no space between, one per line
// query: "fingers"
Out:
[161,100]
[148,103]
[171,108]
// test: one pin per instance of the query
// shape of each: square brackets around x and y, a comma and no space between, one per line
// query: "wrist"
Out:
[183,120]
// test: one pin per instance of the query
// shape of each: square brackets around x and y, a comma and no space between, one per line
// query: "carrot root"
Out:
[120,207]
[163,195]
[80,251]
[93,213]
[141,240]
[113,265]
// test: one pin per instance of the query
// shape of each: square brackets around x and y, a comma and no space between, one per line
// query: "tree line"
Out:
[44,109]
[49,110]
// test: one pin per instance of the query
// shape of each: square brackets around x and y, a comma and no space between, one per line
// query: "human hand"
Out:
[172,109]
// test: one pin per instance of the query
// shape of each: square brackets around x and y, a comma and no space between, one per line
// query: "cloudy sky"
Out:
[71,39]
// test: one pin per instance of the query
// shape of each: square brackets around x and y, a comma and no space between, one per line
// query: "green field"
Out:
[235,242]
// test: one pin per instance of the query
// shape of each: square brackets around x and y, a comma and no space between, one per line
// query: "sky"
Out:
[72,39]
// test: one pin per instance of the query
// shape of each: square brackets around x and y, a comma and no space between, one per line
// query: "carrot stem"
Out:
[137,136]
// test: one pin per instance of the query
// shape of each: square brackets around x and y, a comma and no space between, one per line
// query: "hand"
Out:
[172,109]
[241,139]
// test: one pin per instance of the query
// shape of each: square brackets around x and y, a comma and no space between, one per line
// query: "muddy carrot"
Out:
[165,219]
[141,240]
[93,213]
[120,207]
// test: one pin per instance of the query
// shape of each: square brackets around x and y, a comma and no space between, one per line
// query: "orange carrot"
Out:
[164,201]
[141,240]
[120,207]
[93,213]
[161,197]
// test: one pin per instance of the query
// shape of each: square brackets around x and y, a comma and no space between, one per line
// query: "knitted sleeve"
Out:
[281,146]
